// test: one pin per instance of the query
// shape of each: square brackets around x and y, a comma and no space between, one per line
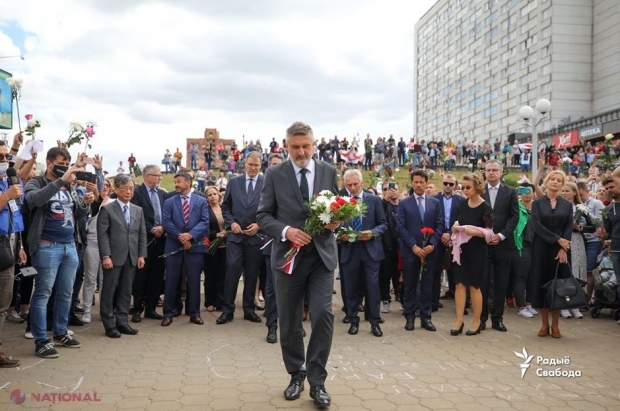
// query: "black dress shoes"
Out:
[353,329]
[294,389]
[252,317]
[457,332]
[483,326]
[410,326]
[166,321]
[153,315]
[428,325]
[75,321]
[113,333]
[126,329]
[223,319]
[196,320]
[346,319]
[272,336]
[499,326]
[440,305]
[136,317]
[320,396]
[376,331]
[475,332]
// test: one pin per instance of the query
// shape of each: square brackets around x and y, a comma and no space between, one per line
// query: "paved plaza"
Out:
[231,367]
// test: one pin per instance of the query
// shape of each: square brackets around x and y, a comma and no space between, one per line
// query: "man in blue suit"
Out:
[450,204]
[186,222]
[416,212]
[362,258]
[243,253]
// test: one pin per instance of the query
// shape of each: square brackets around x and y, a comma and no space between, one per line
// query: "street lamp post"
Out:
[527,113]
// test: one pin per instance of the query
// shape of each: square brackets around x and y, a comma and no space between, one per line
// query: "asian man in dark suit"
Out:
[149,280]
[416,212]
[121,235]
[186,222]
[361,259]
[243,253]
[505,203]
[450,204]
[282,213]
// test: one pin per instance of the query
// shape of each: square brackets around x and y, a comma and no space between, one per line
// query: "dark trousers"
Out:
[411,273]
[79,278]
[271,308]
[388,272]
[115,295]
[215,278]
[367,161]
[241,257]
[192,262]
[498,273]
[309,274]
[361,269]
[523,286]
[148,280]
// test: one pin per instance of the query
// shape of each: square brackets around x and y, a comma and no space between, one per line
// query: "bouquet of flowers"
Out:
[581,210]
[204,242]
[215,244]
[79,133]
[325,208]
[427,233]
[31,125]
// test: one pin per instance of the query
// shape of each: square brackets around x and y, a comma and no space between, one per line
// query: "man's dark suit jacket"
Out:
[454,209]
[142,198]
[238,208]
[505,213]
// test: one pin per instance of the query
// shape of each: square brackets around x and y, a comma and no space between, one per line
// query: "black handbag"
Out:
[6,254]
[565,293]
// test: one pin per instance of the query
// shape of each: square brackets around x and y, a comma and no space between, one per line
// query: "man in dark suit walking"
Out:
[416,212]
[505,203]
[186,222]
[450,205]
[121,235]
[282,213]
[149,280]
[362,258]
[243,253]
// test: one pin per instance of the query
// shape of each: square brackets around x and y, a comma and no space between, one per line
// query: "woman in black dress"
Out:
[471,270]
[552,219]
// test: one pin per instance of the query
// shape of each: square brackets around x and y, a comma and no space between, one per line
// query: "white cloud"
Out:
[152,73]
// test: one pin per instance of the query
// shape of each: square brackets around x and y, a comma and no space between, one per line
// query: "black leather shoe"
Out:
[252,317]
[346,319]
[272,336]
[353,329]
[126,329]
[457,332]
[376,331]
[440,305]
[499,326]
[320,396]
[294,389]
[410,326]
[434,309]
[136,318]
[477,331]
[428,325]
[75,321]
[483,326]
[113,333]
[153,315]
[381,320]
[223,319]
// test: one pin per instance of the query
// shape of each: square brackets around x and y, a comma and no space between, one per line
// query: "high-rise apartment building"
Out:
[478,61]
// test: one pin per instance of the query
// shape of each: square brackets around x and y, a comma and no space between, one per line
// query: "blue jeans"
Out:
[54,262]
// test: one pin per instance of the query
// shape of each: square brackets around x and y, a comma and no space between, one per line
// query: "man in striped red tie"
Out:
[186,221]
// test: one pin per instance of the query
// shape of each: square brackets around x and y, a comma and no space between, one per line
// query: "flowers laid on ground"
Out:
[427,233]
[581,210]
[31,125]
[79,133]
[325,208]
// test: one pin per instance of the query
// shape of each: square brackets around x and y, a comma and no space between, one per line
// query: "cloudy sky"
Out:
[153,73]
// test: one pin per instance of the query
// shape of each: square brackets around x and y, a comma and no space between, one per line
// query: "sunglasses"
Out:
[8,157]
[467,187]
[445,183]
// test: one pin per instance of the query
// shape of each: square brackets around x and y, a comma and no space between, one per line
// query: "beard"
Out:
[301,162]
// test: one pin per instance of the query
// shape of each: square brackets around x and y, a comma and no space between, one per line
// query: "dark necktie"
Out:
[357,221]
[303,185]
[126,214]
[186,211]
[250,187]
[156,207]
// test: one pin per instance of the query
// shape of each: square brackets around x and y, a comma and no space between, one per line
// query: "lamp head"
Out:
[526,112]
[543,106]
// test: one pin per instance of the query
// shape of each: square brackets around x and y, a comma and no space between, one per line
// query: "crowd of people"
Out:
[71,232]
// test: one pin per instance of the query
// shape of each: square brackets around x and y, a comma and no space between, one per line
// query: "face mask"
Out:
[3,168]
[60,170]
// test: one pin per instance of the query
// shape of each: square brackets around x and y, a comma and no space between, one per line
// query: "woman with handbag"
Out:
[552,219]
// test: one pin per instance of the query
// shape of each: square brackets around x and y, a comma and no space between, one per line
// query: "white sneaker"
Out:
[14,318]
[565,314]
[29,335]
[86,317]
[576,313]
[532,310]
[525,313]
[385,307]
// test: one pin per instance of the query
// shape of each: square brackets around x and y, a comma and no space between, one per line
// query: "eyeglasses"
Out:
[125,188]
[155,175]
[467,187]
[446,183]
[8,157]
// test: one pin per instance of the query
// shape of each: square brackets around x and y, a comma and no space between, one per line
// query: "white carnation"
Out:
[325,217]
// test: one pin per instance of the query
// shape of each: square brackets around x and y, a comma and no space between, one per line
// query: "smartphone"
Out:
[85,176]
[391,185]
[89,160]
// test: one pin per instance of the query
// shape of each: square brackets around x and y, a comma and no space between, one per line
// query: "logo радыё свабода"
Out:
[526,361]
[550,362]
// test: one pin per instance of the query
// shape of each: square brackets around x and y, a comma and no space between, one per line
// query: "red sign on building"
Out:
[565,140]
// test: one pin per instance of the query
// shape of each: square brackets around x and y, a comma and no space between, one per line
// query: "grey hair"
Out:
[122,179]
[184,175]
[353,171]
[299,128]
[493,161]
[149,168]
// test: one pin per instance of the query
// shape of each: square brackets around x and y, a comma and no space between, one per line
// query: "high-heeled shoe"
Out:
[555,333]
[470,332]
[544,331]
[457,332]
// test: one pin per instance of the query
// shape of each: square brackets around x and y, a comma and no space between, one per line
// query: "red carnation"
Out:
[427,230]
[341,201]
[207,241]
[606,203]
[353,201]
[334,206]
